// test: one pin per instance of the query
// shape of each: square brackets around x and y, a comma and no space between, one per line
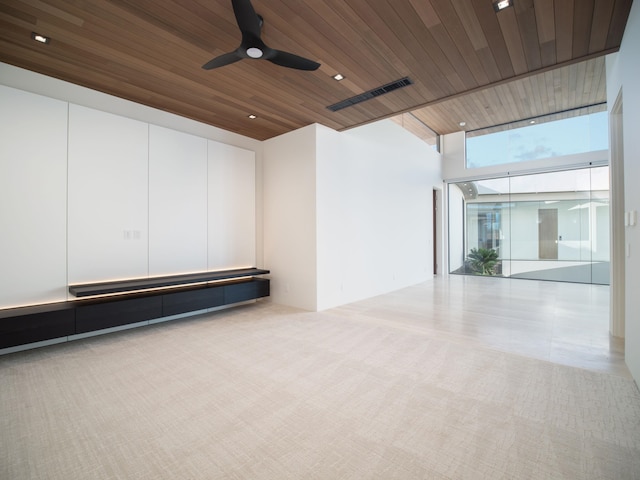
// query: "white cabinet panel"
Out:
[232,218]
[108,196]
[33,191]
[177,202]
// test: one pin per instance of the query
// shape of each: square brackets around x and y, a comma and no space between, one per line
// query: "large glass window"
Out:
[420,129]
[548,226]
[537,140]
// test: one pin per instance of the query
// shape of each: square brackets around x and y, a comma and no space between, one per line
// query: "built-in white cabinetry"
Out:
[231,207]
[33,198]
[88,196]
[177,202]
[108,196]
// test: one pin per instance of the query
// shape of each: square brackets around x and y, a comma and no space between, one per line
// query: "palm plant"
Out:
[483,261]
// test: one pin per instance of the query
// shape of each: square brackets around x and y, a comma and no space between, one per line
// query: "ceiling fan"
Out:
[252,46]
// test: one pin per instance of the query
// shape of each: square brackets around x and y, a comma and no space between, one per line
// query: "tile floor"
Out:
[564,323]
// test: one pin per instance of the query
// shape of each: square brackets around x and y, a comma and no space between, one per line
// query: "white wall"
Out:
[623,71]
[453,153]
[289,183]
[33,198]
[374,206]
[177,202]
[53,88]
[89,195]
[67,92]
[455,221]
[232,201]
[151,195]
[347,215]
[108,196]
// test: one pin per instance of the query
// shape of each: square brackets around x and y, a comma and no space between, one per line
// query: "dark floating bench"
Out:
[133,285]
[127,302]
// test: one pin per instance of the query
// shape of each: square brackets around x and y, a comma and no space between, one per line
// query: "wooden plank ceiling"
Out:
[467,62]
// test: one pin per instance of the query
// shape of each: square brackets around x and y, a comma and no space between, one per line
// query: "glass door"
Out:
[547,226]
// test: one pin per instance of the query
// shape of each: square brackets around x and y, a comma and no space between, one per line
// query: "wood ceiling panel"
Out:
[415,126]
[460,36]
[545,21]
[558,90]
[467,62]
[526,17]
[489,21]
[436,40]
[582,21]
[513,40]
[548,118]
[564,29]
[621,10]
[422,48]
[336,29]
[602,13]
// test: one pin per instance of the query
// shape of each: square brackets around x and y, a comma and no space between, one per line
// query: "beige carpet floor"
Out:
[268,392]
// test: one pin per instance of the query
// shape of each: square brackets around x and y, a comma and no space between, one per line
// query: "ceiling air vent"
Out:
[376,92]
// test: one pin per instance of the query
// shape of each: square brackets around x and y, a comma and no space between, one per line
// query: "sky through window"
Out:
[585,133]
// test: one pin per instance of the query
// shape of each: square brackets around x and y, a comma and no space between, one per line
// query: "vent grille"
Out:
[376,92]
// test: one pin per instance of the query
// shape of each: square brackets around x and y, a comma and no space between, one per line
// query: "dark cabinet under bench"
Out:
[115,312]
[198,298]
[237,291]
[22,325]
[178,294]
[192,299]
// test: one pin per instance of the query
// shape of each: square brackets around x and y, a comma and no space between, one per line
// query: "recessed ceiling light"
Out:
[338,77]
[252,116]
[40,38]
[532,122]
[502,4]
[462,124]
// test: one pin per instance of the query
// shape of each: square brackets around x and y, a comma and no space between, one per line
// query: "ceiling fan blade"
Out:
[286,59]
[247,18]
[252,46]
[222,60]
